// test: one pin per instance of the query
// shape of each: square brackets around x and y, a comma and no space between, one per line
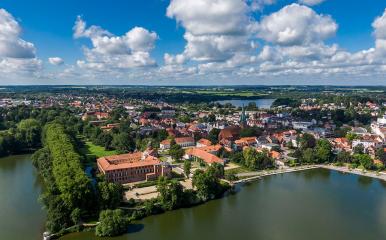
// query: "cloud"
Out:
[11,45]
[17,56]
[115,52]
[215,30]
[56,61]
[258,5]
[311,2]
[296,25]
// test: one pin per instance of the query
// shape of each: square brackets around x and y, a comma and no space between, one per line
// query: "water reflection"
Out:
[364,181]
[133,228]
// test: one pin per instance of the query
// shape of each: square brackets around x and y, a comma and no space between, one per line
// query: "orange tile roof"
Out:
[213,148]
[125,161]
[205,156]
[204,141]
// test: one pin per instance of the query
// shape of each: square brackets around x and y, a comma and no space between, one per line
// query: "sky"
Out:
[193,42]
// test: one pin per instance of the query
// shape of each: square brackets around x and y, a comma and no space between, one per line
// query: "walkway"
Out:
[378,175]
[251,176]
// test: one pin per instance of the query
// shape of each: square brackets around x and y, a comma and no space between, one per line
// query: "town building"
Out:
[182,141]
[133,167]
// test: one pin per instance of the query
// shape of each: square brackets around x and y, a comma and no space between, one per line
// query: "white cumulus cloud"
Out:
[115,52]
[296,25]
[56,61]
[17,56]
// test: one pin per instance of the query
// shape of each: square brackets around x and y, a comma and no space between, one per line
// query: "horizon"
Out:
[181,42]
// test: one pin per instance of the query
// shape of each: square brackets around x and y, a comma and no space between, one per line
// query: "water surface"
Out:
[316,204]
[21,215]
[260,103]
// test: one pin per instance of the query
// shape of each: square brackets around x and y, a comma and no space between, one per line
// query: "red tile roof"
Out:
[205,156]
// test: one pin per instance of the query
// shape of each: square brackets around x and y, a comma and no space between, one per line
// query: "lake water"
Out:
[315,204]
[260,103]
[21,215]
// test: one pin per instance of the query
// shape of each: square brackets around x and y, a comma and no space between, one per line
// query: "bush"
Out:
[112,223]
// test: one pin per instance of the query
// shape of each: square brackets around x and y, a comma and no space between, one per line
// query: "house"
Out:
[95,115]
[203,143]
[302,125]
[199,154]
[341,144]
[229,133]
[134,167]
[110,127]
[182,141]
[368,141]
[246,141]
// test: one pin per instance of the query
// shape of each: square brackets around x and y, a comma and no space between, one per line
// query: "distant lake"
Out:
[260,103]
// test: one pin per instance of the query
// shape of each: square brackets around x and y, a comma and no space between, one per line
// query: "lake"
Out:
[21,215]
[316,204]
[260,103]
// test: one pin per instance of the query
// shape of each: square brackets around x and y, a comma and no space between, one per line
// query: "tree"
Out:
[237,157]
[187,167]
[170,193]
[207,184]
[381,155]
[351,136]
[344,157]
[76,216]
[359,149]
[306,141]
[250,132]
[123,142]
[323,151]
[176,152]
[364,160]
[110,195]
[112,223]
[213,135]
[28,131]
[257,160]
[308,156]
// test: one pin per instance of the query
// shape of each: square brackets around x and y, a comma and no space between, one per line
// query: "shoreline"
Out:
[365,173]
[260,175]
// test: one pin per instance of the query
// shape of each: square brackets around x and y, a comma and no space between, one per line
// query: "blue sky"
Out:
[49,26]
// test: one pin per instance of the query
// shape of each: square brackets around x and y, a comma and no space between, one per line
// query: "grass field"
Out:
[238,170]
[97,151]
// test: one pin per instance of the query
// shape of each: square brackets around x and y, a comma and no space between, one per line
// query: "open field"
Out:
[97,151]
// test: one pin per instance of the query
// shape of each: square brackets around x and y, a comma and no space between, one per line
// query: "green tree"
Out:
[110,195]
[187,167]
[344,157]
[123,142]
[213,135]
[323,151]
[112,223]
[29,132]
[381,155]
[364,160]
[306,141]
[176,152]
[170,193]
[207,184]
[308,156]
[257,160]
[359,149]
[76,216]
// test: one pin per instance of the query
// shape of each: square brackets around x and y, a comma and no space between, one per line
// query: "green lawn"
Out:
[97,151]
[238,170]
